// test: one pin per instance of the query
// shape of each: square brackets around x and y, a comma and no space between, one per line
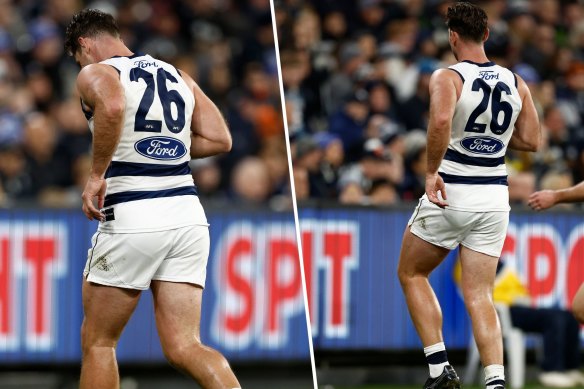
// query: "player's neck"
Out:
[113,47]
[473,53]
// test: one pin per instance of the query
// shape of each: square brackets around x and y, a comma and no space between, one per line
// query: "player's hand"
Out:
[435,185]
[95,187]
[542,200]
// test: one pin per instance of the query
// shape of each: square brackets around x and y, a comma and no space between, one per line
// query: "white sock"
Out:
[436,358]
[494,376]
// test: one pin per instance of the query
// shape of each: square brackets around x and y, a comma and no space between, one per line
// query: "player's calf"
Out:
[204,364]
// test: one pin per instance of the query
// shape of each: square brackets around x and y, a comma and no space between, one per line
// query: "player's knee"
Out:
[90,339]
[477,294]
[404,276]
[180,354]
[89,346]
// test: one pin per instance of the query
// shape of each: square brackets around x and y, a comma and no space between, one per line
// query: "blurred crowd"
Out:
[228,48]
[356,77]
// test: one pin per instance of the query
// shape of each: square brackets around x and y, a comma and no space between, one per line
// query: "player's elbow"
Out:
[226,142]
[442,122]
[531,146]
[535,141]
[539,141]
[227,145]
[224,145]
[535,147]
[114,108]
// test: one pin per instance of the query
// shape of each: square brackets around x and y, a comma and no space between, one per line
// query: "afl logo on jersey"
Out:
[161,148]
[482,145]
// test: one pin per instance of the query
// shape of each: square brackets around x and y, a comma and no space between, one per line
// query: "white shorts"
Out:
[483,232]
[133,260]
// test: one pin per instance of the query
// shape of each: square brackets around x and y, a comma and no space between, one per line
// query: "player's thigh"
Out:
[186,260]
[418,257]
[126,260]
[478,273]
[107,309]
[177,307]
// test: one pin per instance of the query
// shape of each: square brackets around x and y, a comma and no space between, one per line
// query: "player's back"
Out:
[474,165]
[149,182]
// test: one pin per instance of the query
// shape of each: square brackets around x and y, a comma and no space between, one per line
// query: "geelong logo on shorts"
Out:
[482,145]
[161,148]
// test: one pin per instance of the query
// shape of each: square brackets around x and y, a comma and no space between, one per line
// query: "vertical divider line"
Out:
[293,194]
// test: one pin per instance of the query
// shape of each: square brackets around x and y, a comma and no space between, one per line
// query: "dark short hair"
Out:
[89,23]
[468,20]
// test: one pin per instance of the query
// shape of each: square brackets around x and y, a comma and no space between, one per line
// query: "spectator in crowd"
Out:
[251,182]
[339,88]
[570,95]
[45,158]
[274,155]
[349,122]
[301,185]
[207,176]
[299,99]
[414,183]
[308,157]
[332,159]
[351,192]
[521,186]
[383,192]
[414,111]
[16,182]
[359,180]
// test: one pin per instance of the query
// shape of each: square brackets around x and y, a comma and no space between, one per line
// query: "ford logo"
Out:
[482,145]
[161,148]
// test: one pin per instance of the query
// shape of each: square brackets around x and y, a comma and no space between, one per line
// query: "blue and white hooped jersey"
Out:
[474,168]
[149,181]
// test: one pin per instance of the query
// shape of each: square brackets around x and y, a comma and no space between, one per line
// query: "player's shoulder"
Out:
[521,85]
[444,73]
[445,76]
[95,73]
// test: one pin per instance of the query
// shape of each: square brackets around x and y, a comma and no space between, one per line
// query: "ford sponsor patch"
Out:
[161,148]
[482,145]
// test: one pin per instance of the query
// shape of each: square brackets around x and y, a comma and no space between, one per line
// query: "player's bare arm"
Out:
[548,198]
[527,133]
[443,97]
[209,132]
[100,89]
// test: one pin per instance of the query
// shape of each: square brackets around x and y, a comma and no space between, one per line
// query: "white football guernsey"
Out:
[474,168]
[149,182]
